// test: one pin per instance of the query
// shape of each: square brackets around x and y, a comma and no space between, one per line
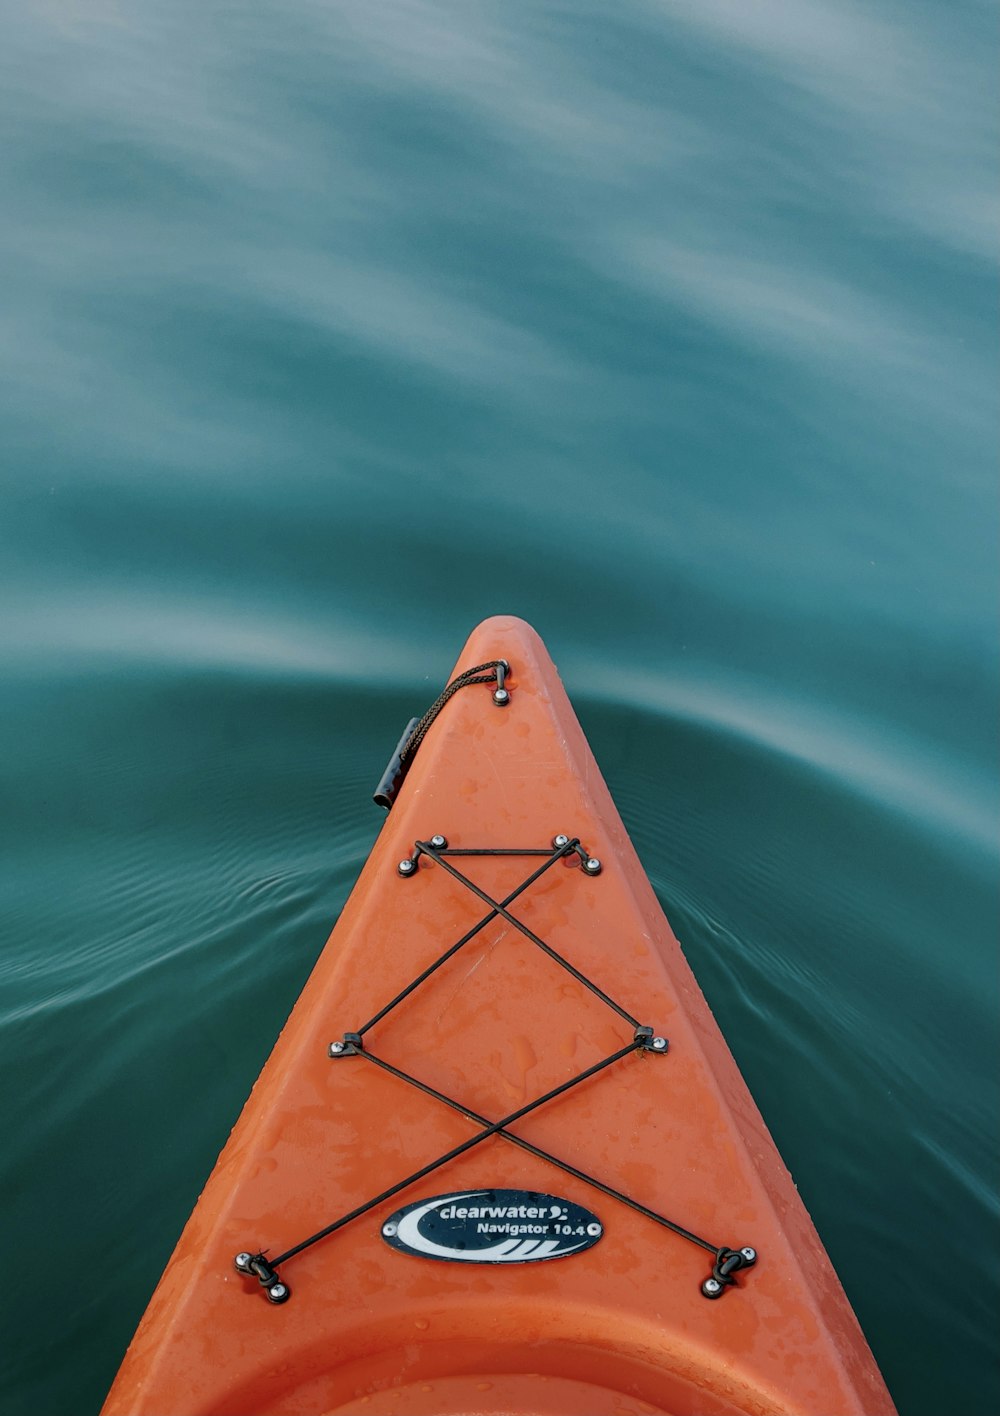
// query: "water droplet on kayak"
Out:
[524,1053]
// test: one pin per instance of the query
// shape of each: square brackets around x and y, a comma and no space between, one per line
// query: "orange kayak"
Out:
[501,1159]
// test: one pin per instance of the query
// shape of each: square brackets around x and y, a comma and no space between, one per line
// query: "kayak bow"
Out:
[501,1159]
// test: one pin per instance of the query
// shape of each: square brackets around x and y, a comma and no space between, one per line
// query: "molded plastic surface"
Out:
[618,1328]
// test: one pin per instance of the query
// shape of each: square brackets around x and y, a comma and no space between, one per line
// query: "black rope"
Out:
[490,1130]
[728,1261]
[481,673]
[448,953]
[546,1155]
[504,850]
[546,948]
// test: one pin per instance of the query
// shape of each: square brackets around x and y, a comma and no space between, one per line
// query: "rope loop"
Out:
[493,671]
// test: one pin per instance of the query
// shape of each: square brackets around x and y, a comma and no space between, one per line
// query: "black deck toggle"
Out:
[392,777]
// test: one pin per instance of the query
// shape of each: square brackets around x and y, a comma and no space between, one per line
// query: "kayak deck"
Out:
[508,1016]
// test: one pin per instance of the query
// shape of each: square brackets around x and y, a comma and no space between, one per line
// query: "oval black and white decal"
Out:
[492,1227]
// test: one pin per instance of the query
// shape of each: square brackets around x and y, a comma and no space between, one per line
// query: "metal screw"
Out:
[242,1262]
[336,1048]
[501,697]
[389,1229]
[594,1229]
[750,1255]
[711,1286]
[438,842]
[560,841]
[278,1292]
[659,1044]
[406,867]
[592,866]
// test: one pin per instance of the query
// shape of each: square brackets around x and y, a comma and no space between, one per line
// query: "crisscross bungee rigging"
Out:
[727,1261]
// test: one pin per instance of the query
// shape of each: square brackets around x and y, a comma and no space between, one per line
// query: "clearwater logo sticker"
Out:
[492,1227]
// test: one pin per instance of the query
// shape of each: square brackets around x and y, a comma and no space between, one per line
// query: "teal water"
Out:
[328,330]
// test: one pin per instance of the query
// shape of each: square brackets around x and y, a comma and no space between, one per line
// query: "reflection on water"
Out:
[330,331]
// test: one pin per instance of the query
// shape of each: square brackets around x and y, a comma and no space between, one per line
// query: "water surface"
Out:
[328,331]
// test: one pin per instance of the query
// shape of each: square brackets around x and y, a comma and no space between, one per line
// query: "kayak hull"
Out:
[623,1326]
